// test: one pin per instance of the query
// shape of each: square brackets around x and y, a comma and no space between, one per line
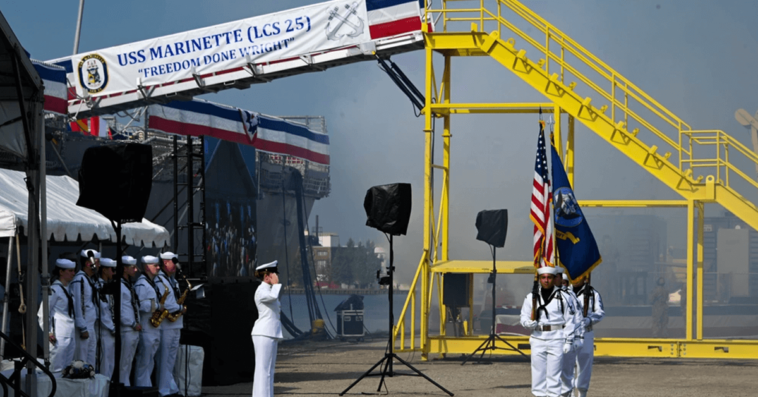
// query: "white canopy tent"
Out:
[65,220]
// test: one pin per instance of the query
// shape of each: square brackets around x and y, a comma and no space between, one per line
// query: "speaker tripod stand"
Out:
[491,342]
[386,362]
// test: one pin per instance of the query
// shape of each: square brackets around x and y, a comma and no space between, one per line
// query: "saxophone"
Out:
[159,315]
[175,316]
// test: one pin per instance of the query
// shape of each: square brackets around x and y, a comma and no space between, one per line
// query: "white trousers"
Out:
[265,362]
[61,353]
[149,342]
[165,360]
[107,353]
[86,349]
[547,358]
[584,362]
[567,372]
[129,343]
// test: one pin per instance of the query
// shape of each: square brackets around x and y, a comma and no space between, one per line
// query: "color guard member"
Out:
[586,353]
[553,328]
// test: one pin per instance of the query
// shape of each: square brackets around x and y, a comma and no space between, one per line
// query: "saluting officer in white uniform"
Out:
[569,359]
[586,353]
[267,331]
[61,320]
[106,328]
[130,319]
[552,332]
[170,331]
[85,307]
[150,337]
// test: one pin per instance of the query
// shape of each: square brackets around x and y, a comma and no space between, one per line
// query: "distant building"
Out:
[323,254]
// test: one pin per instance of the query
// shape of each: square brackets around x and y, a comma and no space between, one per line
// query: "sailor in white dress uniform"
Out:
[586,353]
[569,359]
[86,312]
[150,337]
[62,323]
[170,331]
[267,331]
[130,319]
[107,328]
[552,332]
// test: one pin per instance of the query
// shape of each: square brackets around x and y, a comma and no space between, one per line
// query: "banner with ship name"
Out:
[265,133]
[276,37]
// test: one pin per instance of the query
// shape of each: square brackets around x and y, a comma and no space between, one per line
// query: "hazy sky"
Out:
[697,58]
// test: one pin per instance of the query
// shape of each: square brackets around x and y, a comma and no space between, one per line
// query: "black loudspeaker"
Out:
[388,208]
[456,289]
[115,180]
[492,226]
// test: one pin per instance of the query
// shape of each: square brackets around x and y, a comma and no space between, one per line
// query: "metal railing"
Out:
[626,101]
[14,381]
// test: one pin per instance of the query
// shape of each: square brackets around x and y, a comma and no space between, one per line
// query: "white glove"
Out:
[586,321]
[578,343]
[566,348]
[530,324]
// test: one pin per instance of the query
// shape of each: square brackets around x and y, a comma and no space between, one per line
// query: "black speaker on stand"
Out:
[388,208]
[115,180]
[492,227]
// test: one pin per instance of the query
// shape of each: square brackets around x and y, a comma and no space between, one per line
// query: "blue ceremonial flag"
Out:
[577,248]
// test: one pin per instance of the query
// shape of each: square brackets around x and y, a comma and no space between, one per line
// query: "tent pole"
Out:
[5,296]
[45,276]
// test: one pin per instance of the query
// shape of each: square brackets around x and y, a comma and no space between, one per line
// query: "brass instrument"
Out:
[175,316]
[159,315]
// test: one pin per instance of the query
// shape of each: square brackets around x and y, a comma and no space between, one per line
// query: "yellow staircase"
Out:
[610,105]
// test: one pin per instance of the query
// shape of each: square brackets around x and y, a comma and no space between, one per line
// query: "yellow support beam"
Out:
[632,203]
[611,91]
[618,347]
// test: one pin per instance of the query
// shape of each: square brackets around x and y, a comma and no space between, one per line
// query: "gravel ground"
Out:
[329,367]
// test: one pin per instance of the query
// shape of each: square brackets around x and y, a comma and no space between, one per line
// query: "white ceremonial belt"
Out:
[549,327]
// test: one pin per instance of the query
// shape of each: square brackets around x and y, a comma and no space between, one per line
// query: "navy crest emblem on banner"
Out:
[567,211]
[93,73]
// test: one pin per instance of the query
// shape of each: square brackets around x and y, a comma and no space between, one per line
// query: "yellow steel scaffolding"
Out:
[680,164]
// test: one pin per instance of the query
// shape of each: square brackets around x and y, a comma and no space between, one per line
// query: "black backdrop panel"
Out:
[492,226]
[456,289]
[388,208]
[221,323]
[115,180]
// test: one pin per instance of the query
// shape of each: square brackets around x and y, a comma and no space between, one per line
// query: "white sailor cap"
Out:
[168,255]
[107,262]
[546,270]
[64,263]
[271,266]
[128,260]
[558,270]
[150,260]
[86,254]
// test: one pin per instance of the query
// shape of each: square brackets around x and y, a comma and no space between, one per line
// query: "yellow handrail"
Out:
[621,95]
[411,299]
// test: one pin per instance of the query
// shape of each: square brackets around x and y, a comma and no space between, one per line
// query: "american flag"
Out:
[542,195]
